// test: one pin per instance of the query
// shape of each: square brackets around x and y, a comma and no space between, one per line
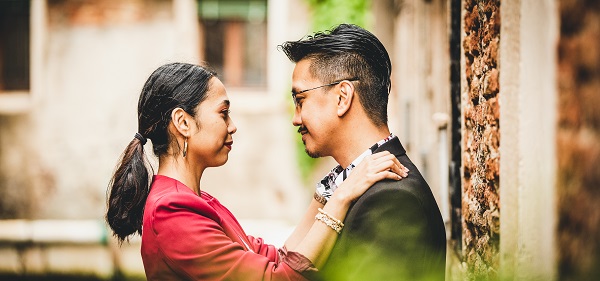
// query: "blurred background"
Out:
[495,101]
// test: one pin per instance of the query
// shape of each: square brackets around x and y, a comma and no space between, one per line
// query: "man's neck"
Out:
[356,141]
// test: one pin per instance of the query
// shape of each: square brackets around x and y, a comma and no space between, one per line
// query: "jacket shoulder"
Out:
[411,189]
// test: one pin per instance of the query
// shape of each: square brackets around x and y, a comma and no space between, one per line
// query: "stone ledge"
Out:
[16,102]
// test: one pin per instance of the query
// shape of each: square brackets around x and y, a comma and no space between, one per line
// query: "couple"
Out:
[370,219]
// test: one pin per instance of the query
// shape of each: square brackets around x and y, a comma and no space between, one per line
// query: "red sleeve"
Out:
[266,250]
[293,259]
[189,235]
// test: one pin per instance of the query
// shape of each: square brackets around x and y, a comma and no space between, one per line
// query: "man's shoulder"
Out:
[411,187]
[387,201]
[408,196]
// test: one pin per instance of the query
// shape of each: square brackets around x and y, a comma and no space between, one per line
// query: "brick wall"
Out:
[578,140]
[481,138]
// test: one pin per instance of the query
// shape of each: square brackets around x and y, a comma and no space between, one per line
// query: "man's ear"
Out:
[346,96]
[181,121]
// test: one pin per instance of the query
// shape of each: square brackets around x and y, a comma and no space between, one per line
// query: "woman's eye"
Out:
[226,112]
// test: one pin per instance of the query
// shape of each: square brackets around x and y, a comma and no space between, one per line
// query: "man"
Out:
[340,86]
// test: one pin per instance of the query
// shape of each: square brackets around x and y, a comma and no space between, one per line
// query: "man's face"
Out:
[315,112]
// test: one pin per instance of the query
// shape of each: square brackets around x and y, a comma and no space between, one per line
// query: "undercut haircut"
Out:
[348,52]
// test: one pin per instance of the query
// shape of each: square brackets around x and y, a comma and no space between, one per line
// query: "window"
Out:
[234,40]
[14,45]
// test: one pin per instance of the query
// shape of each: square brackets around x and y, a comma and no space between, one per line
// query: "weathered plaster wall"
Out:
[56,158]
[481,137]
[528,162]
[578,140]
[420,85]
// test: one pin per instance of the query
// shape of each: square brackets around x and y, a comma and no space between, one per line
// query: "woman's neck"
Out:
[181,170]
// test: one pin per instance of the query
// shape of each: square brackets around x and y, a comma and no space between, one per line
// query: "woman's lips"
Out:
[229,144]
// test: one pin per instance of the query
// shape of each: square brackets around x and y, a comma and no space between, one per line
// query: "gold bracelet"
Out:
[320,198]
[330,217]
[330,221]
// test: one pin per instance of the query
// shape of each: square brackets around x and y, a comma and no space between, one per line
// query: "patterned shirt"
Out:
[332,180]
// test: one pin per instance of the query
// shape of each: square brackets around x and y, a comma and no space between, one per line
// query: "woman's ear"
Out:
[346,96]
[181,121]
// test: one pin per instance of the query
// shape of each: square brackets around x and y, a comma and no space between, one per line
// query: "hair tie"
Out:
[141,138]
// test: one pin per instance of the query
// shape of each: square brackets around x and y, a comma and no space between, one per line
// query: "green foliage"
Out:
[306,164]
[328,13]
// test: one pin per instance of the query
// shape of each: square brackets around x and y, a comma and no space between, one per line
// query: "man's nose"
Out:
[296,120]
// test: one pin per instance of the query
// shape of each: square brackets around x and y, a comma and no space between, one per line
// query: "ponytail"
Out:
[128,190]
[170,86]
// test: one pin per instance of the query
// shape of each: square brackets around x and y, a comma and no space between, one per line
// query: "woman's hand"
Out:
[375,167]
[315,239]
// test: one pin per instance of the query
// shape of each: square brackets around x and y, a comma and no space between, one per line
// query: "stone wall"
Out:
[578,141]
[481,138]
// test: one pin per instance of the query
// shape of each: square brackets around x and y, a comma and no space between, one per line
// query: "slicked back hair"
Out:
[348,51]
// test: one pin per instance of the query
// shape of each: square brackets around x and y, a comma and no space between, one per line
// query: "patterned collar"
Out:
[332,180]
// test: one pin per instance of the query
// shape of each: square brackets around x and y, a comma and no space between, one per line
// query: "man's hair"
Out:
[345,52]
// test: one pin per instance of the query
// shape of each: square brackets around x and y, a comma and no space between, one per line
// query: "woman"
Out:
[187,234]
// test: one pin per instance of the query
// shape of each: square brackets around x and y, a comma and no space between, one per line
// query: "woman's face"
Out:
[211,143]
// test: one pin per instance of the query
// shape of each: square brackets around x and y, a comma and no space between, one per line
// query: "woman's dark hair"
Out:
[345,52]
[175,85]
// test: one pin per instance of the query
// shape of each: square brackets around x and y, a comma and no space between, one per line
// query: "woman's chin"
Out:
[222,162]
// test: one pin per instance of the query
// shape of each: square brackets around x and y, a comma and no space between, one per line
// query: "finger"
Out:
[383,158]
[396,161]
[380,154]
[392,165]
[395,166]
[401,167]
[387,165]
[388,175]
[393,176]
[385,174]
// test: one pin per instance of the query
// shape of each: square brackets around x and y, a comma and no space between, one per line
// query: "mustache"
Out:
[302,129]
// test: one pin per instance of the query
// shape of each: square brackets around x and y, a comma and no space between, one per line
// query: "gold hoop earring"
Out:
[184,147]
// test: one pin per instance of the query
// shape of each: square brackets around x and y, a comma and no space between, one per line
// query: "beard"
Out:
[311,154]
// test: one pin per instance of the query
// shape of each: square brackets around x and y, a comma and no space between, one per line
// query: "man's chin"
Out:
[312,154]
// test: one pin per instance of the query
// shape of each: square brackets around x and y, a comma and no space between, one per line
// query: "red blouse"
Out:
[191,237]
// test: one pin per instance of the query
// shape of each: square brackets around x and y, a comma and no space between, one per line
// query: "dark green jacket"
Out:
[394,231]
